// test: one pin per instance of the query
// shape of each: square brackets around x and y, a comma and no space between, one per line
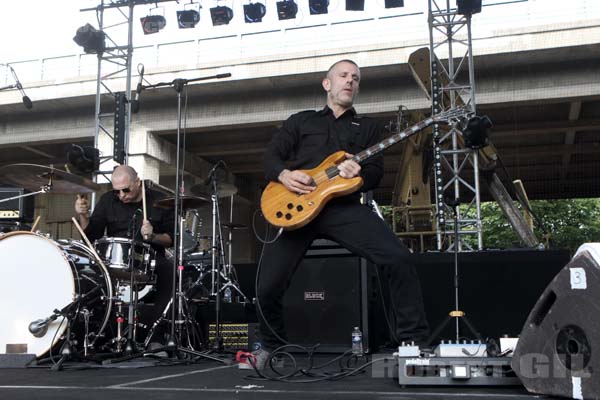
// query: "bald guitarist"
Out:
[304,141]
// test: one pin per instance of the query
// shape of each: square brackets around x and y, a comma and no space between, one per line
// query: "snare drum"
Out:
[40,275]
[115,252]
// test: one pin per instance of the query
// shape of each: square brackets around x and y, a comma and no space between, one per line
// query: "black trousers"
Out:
[361,231]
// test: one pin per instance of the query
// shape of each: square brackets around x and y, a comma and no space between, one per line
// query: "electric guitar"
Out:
[288,210]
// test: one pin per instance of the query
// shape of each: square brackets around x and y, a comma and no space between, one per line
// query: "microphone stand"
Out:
[17,85]
[68,312]
[172,343]
[216,280]
[130,346]
[458,314]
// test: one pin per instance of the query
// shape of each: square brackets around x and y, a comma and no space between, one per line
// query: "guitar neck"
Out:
[371,151]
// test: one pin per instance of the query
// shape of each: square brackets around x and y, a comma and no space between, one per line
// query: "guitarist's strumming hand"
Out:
[297,181]
[349,168]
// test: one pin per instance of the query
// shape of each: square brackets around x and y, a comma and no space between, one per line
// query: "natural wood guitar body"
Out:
[289,211]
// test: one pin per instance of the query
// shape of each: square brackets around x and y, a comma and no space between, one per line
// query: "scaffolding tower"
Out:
[452,85]
[113,63]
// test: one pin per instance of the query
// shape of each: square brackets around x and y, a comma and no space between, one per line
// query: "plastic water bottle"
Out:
[227,295]
[357,345]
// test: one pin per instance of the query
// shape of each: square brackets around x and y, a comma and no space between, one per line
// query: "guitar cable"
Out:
[265,242]
[258,267]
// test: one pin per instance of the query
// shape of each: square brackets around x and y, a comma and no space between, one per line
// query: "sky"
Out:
[36,28]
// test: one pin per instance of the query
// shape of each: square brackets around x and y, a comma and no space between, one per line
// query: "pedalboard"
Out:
[453,364]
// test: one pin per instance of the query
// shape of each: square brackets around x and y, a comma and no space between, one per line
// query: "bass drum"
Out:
[40,275]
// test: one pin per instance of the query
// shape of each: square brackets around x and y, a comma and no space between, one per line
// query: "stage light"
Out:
[91,39]
[221,15]
[355,5]
[468,7]
[188,18]
[287,9]
[254,12]
[475,132]
[85,159]
[318,6]
[152,23]
[394,3]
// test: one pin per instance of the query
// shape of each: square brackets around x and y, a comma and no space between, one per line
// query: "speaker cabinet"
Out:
[559,348]
[16,209]
[497,288]
[327,299]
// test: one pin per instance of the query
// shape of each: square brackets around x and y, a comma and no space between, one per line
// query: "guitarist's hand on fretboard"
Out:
[297,181]
[349,168]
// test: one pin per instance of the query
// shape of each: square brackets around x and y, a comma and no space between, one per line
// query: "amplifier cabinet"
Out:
[327,298]
[20,209]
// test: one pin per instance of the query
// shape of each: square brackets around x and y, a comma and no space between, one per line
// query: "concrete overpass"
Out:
[537,73]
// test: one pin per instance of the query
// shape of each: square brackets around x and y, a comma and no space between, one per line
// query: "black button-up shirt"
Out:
[308,137]
[115,217]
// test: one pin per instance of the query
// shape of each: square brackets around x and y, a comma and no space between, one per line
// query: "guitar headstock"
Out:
[453,114]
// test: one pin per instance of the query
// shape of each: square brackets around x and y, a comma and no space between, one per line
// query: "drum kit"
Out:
[80,301]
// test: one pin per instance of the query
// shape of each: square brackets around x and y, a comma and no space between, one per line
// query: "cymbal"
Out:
[187,202]
[233,226]
[223,189]
[33,177]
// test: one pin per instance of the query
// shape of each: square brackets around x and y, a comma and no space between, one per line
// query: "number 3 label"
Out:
[578,278]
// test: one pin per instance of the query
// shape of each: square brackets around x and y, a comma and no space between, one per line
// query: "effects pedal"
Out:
[462,349]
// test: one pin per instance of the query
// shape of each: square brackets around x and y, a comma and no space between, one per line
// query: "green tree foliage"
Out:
[569,223]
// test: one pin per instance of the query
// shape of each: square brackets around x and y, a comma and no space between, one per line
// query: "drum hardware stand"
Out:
[130,345]
[66,350]
[172,343]
[456,313]
[216,271]
[215,278]
[229,266]
[184,319]
[38,328]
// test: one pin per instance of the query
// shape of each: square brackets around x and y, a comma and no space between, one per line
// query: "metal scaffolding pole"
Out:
[448,38]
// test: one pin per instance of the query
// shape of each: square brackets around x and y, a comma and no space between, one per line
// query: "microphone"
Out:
[135,103]
[140,87]
[133,224]
[214,169]
[26,100]
[39,327]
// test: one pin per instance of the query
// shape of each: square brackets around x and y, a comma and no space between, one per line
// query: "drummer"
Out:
[114,216]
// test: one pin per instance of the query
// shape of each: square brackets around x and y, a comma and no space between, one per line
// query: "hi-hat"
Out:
[187,202]
[223,189]
[34,177]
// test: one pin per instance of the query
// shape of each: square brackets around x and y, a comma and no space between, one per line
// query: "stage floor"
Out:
[143,379]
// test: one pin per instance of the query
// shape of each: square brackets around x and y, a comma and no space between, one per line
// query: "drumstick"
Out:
[144,205]
[35,224]
[106,276]
[144,200]
[87,241]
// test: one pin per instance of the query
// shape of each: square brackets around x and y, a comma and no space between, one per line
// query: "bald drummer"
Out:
[113,217]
